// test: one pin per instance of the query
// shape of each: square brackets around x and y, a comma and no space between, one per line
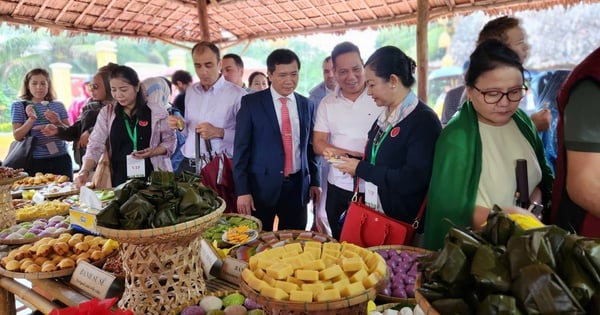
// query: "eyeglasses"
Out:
[493,97]
[92,86]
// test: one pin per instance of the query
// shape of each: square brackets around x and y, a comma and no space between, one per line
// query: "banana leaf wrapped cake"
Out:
[509,269]
[162,202]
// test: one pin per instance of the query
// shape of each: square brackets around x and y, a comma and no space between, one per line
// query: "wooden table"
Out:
[45,291]
[41,297]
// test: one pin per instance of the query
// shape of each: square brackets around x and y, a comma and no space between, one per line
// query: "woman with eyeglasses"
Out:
[80,131]
[476,154]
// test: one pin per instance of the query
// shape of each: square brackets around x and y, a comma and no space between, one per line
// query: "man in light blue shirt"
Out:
[328,84]
[210,108]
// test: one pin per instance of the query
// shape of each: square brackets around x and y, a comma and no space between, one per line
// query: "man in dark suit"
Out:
[275,168]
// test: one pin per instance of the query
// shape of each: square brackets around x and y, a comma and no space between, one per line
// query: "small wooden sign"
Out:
[210,260]
[232,269]
[92,280]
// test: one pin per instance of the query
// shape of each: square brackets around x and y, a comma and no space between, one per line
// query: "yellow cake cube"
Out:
[330,272]
[339,284]
[280,270]
[307,275]
[352,264]
[313,287]
[293,248]
[352,289]
[275,293]
[328,295]
[371,280]
[286,286]
[359,276]
[301,296]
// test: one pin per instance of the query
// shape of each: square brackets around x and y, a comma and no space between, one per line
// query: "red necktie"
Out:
[286,137]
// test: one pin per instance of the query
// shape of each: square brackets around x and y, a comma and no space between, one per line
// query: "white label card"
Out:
[211,262]
[372,196]
[92,280]
[135,167]
[52,148]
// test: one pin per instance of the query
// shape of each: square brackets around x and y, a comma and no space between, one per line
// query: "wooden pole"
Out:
[203,19]
[422,47]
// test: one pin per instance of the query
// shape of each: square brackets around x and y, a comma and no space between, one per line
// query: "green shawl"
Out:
[456,171]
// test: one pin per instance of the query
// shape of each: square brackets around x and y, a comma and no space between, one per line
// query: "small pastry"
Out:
[13,265]
[44,250]
[81,247]
[48,267]
[33,268]
[61,248]
[40,260]
[22,254]
[56,259]
[97,255]
[75,239]
[26,263]
[66,264]
[88,238]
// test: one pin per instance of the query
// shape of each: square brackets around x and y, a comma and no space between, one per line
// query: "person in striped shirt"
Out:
[38,106]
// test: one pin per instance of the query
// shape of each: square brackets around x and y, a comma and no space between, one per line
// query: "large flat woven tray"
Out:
[164,234]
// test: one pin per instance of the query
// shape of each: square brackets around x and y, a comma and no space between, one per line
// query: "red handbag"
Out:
[366,227]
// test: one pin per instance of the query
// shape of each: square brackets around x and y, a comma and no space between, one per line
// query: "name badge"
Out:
[135,167]
[372,196]
[52,148]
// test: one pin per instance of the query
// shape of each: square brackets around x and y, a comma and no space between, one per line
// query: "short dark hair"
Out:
[497,28]
[281,56]
[343,48]
[130,76]
[488,56]
[389,60]
[203,45]
[181,76]
[236,58]
[104,72]
[327,59]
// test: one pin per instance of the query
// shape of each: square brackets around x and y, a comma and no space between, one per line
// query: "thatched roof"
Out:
[233,21]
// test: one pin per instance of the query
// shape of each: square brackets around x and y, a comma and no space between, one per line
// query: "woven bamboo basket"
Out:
[163,271]
[421,300]
[353,305]
[398,248]
[182,231]
[7,211]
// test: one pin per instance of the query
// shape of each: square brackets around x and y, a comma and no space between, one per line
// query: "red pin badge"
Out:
[143,123]
[395,132]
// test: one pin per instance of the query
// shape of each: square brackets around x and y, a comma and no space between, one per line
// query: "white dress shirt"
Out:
[295,122]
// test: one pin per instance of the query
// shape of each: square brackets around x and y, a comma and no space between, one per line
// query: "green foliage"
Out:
[6,127]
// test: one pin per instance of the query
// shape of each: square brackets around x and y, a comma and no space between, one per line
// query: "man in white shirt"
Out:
[210,108]
[344,118]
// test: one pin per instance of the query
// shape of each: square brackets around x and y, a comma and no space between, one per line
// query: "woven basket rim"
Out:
[149,235]
[401,248]
[265,302]
[278,232]
[422,300]
[10,180]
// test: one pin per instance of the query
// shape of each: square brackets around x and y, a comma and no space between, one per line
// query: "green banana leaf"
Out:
[136,213]
[450,266]
[165,214]
[499,227]
[452,307]
[490,269]
[587,251]
[541,291]
[124,191]
[498,304]
[466,239]
[576,277]
[109,215]
[165,180]
[554,234]
[527,249]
